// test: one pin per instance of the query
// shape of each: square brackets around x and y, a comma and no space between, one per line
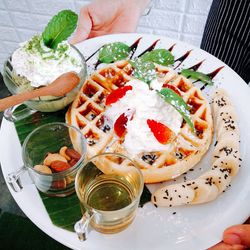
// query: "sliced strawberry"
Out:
[175,89]
[162,133]
[117,94]
[121,123]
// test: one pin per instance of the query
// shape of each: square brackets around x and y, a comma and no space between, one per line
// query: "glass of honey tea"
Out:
[109,187]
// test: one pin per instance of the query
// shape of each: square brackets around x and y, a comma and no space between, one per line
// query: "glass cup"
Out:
[109,187]
[17,84]
[50,138]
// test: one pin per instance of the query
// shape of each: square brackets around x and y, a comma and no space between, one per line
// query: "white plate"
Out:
[192,227]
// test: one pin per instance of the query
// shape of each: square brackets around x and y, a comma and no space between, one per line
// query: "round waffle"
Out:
[87,113]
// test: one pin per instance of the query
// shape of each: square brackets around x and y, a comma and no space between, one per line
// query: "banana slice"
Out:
[218,177]
[226,134]
[220,99]
[204,191]
[226,147]
[226,120]
[173,195]
[230,164]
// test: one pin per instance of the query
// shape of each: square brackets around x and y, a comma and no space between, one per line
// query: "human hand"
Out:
[107,17]
[235,238]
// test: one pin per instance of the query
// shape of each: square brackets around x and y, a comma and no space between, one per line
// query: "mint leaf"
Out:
[114,52]
[160,56]
[178,103]
[197,76]
[144,71]
[59,28]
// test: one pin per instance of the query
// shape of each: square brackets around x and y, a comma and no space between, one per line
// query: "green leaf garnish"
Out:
[59,28]
[178,103]
[144,71]
[197,76]
[160,56]
[114,52]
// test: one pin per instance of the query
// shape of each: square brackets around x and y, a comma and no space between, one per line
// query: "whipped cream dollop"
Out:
[146,104]
[42,65]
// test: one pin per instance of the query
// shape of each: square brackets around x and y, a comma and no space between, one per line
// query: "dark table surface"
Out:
[7,203]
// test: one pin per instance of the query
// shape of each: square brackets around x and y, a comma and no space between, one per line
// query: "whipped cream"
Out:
[146,104]
[42,65]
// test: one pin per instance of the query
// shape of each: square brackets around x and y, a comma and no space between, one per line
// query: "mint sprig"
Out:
[114,52]
[197,76]
[59,28]
[144,71]
[178,103]
[159,56]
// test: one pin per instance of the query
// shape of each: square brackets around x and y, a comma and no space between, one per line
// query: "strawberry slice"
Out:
[121,123]
[162,133]
[175,89]
[117,94]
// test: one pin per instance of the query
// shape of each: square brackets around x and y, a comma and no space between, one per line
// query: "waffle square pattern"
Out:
[87,113]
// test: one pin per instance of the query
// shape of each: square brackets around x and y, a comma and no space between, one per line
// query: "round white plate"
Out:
[192,227]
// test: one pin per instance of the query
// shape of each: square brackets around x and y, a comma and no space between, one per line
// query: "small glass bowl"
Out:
[50,138]
[45,103]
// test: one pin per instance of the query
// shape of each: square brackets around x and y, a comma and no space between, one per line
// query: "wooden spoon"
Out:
[61,86]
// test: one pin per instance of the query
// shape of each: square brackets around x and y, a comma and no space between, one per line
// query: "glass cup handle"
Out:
[14,179]
[19,115]
[82,228]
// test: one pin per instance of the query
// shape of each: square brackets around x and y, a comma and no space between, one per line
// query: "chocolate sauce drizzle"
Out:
[212,75]
[150,48]
[196,66]
[92,54]
[134,46]
[172,47]
[215,72]
[182,58]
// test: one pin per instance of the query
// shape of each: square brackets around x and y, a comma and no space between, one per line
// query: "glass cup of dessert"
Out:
[52,154]
[108,187]
[33,65]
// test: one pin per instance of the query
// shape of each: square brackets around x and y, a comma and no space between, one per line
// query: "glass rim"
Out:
[115,154]
[56,98]
[83,146]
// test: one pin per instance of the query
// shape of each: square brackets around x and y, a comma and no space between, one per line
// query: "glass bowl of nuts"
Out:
[52,155]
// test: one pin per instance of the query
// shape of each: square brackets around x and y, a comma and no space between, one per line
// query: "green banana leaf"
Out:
[63,212]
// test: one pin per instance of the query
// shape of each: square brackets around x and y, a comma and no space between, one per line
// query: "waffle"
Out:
[87,113]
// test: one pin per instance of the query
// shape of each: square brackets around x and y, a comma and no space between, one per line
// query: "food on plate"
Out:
[121,106]
[42,59]
[226,161]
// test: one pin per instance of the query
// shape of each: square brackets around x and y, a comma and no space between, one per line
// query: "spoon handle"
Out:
[17,99]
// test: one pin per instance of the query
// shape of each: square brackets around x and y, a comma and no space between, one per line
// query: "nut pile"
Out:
[59,162]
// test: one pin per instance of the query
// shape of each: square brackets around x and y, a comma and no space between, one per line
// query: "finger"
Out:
[224,246]
[84,26]
[239,234]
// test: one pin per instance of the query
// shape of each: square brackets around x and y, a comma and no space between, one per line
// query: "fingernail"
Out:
[233,239]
